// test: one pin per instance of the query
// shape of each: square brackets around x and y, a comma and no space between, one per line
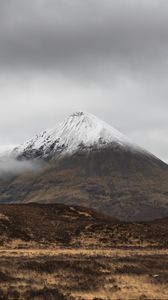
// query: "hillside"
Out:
[39,225]
[117,183]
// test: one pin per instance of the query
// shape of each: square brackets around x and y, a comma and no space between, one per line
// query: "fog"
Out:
[10,167]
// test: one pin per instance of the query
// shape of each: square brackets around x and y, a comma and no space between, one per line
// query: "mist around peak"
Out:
[10,166]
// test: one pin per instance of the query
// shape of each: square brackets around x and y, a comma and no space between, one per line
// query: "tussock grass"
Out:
[87,275]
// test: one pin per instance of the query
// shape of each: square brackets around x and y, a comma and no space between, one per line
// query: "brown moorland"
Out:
[72,253]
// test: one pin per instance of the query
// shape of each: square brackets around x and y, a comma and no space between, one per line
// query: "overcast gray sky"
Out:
[107,57]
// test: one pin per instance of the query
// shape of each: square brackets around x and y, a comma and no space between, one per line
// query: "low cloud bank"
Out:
[12,167]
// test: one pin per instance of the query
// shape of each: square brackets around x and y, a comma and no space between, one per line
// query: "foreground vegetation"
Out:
[83,274]
[58,252]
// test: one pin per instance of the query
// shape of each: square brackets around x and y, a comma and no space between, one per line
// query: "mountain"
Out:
[79,132]
[90,164]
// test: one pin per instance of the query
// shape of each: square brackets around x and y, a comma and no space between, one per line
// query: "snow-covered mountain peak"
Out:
[86,128]
[78,114]
[80,131]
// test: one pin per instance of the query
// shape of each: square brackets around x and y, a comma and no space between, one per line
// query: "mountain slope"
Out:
[96,167]
[120,184]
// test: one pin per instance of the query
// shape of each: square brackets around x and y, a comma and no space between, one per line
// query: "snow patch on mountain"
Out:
[80,131]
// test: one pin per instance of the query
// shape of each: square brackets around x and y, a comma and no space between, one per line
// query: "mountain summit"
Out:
[78,132]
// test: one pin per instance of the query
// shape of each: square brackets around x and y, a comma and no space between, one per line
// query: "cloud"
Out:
[107,57]
[84,37]
[10,167]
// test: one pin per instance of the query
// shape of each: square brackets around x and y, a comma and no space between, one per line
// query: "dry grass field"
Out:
[63,274]
[56,252]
